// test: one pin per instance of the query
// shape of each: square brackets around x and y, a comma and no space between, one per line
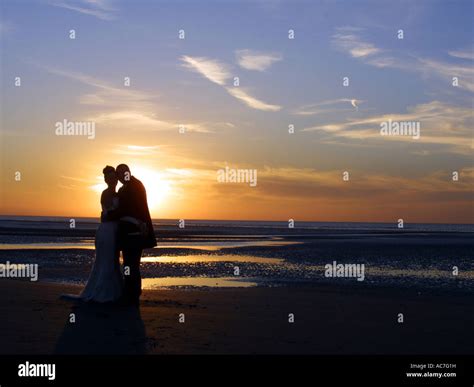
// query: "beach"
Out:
[246,290]
[236,321]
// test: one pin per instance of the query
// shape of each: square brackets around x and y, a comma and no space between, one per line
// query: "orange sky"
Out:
[194,192]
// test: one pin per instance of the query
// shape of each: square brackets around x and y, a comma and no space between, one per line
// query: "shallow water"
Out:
[424,260]
[184,259]
[205,245]
[218,271]
[189,282]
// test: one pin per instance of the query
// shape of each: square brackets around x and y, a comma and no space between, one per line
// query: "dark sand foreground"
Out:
[253,320]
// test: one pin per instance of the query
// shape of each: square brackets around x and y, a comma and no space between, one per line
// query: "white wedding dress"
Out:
[105,282]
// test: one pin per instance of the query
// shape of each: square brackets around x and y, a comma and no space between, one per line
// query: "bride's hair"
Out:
[108,169]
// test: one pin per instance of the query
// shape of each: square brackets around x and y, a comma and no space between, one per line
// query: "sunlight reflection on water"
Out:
[210,258]
[219,282]
[212,246]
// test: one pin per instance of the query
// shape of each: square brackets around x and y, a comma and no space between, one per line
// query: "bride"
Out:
[105,281]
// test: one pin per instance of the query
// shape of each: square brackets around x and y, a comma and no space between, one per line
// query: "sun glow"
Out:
[157,187]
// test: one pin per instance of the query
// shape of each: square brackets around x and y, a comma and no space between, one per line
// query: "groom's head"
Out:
[123,173]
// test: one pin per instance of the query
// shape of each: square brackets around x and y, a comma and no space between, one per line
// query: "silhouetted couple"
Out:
[125,226]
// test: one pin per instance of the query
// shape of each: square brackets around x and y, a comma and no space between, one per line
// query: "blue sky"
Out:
[282,82]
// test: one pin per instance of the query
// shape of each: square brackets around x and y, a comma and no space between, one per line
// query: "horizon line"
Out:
[236,220]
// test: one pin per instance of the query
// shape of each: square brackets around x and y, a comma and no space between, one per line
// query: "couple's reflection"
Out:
[102,329]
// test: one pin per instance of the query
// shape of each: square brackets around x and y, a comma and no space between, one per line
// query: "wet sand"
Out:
[328,320]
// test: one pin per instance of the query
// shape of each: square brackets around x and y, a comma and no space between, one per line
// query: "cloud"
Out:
[346,39]
[250,101]
[328,187]
[73,182]
[465,73]
[329,106]
[136,150]
[441,124]
[106,95]
[211,69]
[128,108]
[100,9]
[350,41]
[254,60]
[77,179]
[135,120]
[132,119]
[463,54]
[218,72]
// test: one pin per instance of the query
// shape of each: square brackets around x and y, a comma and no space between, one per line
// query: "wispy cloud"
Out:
[211,69]
[250,101]
[219,73]
[136,120]
[467,53]
[133,120]
[465,73]
[137,150]
[329,106]
[100,9]
[330,186]
[350,40]
[74,182]
[106,94]
[428,68]
[127,108]
[347,39]
[441,124]
[77,179]
[254,60]
[333,198]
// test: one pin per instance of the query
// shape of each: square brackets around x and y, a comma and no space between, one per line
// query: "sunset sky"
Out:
[282,82]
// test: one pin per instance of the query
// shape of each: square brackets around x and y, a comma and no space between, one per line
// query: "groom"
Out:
[135,230]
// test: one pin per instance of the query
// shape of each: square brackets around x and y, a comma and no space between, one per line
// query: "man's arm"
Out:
[115,214]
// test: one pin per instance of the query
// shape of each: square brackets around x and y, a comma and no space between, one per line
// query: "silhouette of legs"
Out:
[132,277]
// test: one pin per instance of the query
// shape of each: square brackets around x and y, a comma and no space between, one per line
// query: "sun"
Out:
[157,187]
